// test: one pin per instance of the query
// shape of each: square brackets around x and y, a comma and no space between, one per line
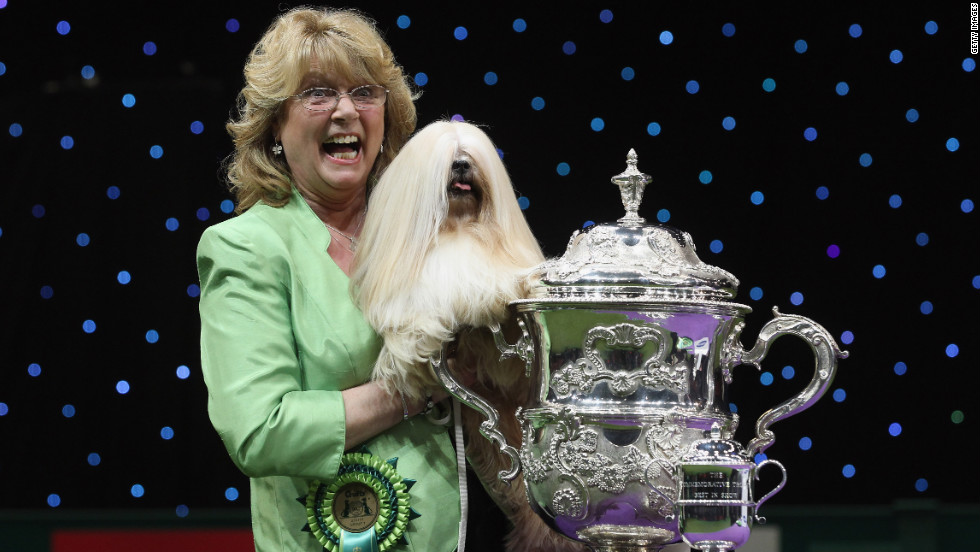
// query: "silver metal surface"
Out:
[630,344]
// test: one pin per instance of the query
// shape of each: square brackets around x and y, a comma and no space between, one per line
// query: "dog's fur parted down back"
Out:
[444,249]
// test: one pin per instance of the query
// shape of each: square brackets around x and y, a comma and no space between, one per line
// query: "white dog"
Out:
[443,251]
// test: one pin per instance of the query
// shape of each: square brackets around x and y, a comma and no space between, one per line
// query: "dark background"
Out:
[50,285]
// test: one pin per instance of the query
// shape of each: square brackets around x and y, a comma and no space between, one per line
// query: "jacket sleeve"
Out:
[268,422]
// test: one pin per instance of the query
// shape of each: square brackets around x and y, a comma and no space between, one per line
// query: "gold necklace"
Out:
[350,237]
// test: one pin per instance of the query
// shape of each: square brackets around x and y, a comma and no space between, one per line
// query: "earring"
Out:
[382,148]
[277,149]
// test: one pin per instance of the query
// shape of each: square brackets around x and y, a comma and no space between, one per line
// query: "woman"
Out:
[286,355]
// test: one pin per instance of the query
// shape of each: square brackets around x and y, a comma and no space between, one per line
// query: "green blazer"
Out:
[280,339]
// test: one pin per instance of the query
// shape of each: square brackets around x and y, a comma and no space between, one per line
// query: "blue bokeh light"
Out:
[653,129]
[952,144]
[232,25]
[728,29]
[854,30]
[606,16]
[124,277]
[806,443]
[842,88]
[705,177]
[4,409]
[67,142]
[405,22]
[537,103]
[921,484]
[788,372]
[197,127]
[172,224]
[519,25]
[568,47]
[128,100]
[421,79]
[865,159]
[461,33]
[931,27]
[3,68]
[94,459]
[193,290]
[879,271]
[88,72]
[769,85]
[47,292]
[895,201]
[952,350]
[800,46]
[969,64]
[757,197]
[716,246]
[490,78]
[112,192]
[728,123]
[766,378]
[563,169]
[922,239]
[912,115]
[900,368]
[896,56]
[810,134]
[597,124]
[627,73]
[34,369]
[54,500]
[15,130]
[926,307]
[88,326]
[149,48]
[523,202]
[822,192]
[756,293]
[849,470]
[68,411]
[796,298]
[227,206]
[83,239]
[38,211]
[183,372]
[203,214]
[63,27]
[137,490]
[895,429]
[663,215]
[122,387]
[966,205]
[839,395]
[166,433]
[847,337]
[156,152]
[666,38]
[152,336]
[692,87]
[231,494]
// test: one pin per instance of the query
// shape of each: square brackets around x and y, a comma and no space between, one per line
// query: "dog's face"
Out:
[465,189]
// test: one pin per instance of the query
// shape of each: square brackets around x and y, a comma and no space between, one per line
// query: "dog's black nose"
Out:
[461,165]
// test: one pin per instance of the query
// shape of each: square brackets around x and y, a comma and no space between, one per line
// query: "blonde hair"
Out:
[343,41]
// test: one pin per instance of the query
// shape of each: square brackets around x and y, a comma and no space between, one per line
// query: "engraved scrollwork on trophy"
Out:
[731,352]
[583,374]
[568,502]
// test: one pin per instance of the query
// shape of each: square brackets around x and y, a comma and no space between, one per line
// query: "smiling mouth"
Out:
[342,147]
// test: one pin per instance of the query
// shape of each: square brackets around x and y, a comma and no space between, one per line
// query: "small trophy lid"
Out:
[634,260]
[715,450]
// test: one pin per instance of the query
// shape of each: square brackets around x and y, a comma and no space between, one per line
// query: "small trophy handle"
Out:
[523,349]
[489,426]
[825,351]
[778,488]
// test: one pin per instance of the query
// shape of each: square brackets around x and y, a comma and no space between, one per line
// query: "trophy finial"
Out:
[631,183]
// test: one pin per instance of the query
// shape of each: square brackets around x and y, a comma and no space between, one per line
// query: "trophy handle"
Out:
[825,351]
[523,349]
[778,488]
[489,426]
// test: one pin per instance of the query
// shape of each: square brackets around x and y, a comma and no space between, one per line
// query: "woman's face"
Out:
[318,145]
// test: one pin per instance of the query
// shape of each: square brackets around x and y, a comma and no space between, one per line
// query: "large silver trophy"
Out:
[630,341]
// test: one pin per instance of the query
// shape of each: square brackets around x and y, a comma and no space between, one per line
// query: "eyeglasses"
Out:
[324,99]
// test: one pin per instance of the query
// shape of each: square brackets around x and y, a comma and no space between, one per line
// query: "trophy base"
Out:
[625,538]
[714,546]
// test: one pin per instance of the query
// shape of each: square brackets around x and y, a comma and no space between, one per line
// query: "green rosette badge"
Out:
[366,508]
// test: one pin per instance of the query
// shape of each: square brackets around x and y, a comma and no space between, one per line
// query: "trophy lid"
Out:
[630,259]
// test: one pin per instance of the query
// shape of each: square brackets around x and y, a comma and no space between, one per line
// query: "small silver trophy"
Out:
[630,341]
